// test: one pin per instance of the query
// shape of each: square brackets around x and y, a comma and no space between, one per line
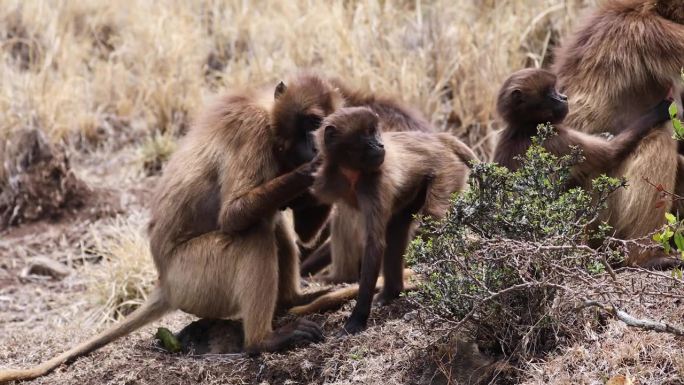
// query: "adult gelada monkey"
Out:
[623,58]
[216,234]
[378,181]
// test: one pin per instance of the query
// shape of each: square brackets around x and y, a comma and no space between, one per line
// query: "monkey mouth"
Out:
[375,161]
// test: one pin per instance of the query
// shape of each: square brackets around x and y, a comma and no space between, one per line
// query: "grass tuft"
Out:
[123,273]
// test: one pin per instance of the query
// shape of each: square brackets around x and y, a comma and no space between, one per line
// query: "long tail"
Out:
[336,298]
[459,148]
[152,309]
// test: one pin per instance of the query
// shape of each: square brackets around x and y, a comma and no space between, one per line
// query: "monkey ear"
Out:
[517,94]
[329,133]
[280,89]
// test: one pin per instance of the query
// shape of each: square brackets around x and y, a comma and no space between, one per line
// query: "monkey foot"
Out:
[351,327]
[297,333]
[385,298]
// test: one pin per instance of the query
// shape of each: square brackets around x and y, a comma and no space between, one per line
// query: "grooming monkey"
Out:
[529,98]
[622,59]
[218,240]
[378,180]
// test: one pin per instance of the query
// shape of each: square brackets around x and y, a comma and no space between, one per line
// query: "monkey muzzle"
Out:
[374,159]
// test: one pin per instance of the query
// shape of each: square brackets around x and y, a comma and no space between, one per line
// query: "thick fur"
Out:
[529,97]
[622,59]
[374,205]
[411,156]
[394,113]
[678,207]
[310,217]
[218,240]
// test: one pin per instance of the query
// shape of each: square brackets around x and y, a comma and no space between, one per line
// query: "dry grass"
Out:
[92,71]
[123,273]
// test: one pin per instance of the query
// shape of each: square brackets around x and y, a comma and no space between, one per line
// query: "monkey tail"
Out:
[152,309]
[336,298]
[459,148]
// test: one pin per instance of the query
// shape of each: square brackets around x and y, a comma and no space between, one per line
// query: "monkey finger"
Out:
[302,337]
[313,329]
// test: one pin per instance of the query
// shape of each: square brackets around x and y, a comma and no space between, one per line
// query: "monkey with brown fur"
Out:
[217,236]
[311,216]
[380,179]
[529,98]
[622,59]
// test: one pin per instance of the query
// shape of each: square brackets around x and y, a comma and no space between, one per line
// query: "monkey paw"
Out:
[351,327]
[385,298]
[297,333]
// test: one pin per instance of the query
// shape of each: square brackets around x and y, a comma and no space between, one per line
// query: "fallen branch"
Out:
[641,323]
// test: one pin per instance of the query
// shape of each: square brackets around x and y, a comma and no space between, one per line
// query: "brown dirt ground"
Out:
[42,317]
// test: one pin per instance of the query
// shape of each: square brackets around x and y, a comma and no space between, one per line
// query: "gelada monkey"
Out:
[218,240]
[530,97]
[621,60]
[310,218]
[378,180]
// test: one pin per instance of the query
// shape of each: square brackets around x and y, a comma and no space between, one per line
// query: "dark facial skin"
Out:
[300,148]
[297,113]
[360,149]
[534,101]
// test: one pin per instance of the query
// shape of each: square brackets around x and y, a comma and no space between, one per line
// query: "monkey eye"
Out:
[517,95]
[312,122]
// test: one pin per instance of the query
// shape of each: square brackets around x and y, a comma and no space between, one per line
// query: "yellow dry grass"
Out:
[87,70]
[123,273]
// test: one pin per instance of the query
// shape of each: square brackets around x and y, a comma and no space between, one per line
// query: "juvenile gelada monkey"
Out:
[218,240]
[529,98]
[378,180]
[311,216]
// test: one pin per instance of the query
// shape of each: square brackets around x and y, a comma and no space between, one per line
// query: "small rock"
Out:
[47,267]
[410,316]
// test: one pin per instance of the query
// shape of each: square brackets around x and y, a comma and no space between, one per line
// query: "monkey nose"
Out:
[563,97]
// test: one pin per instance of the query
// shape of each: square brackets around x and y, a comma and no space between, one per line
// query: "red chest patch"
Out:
[352,177]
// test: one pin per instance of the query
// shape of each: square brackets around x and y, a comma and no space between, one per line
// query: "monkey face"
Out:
[300,147]
[530,97]
[351,138]
[371,153]
[297,112]
[558,104]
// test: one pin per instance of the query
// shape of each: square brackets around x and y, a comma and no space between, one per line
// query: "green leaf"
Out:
[678,128]
[673,110]
[671,219]
[168,340]
[657,237]
[679,241]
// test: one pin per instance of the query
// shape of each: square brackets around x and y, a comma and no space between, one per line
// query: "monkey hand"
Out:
[297,333]
[309,169]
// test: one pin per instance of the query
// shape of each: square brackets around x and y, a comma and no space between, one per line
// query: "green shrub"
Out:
[508,246]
